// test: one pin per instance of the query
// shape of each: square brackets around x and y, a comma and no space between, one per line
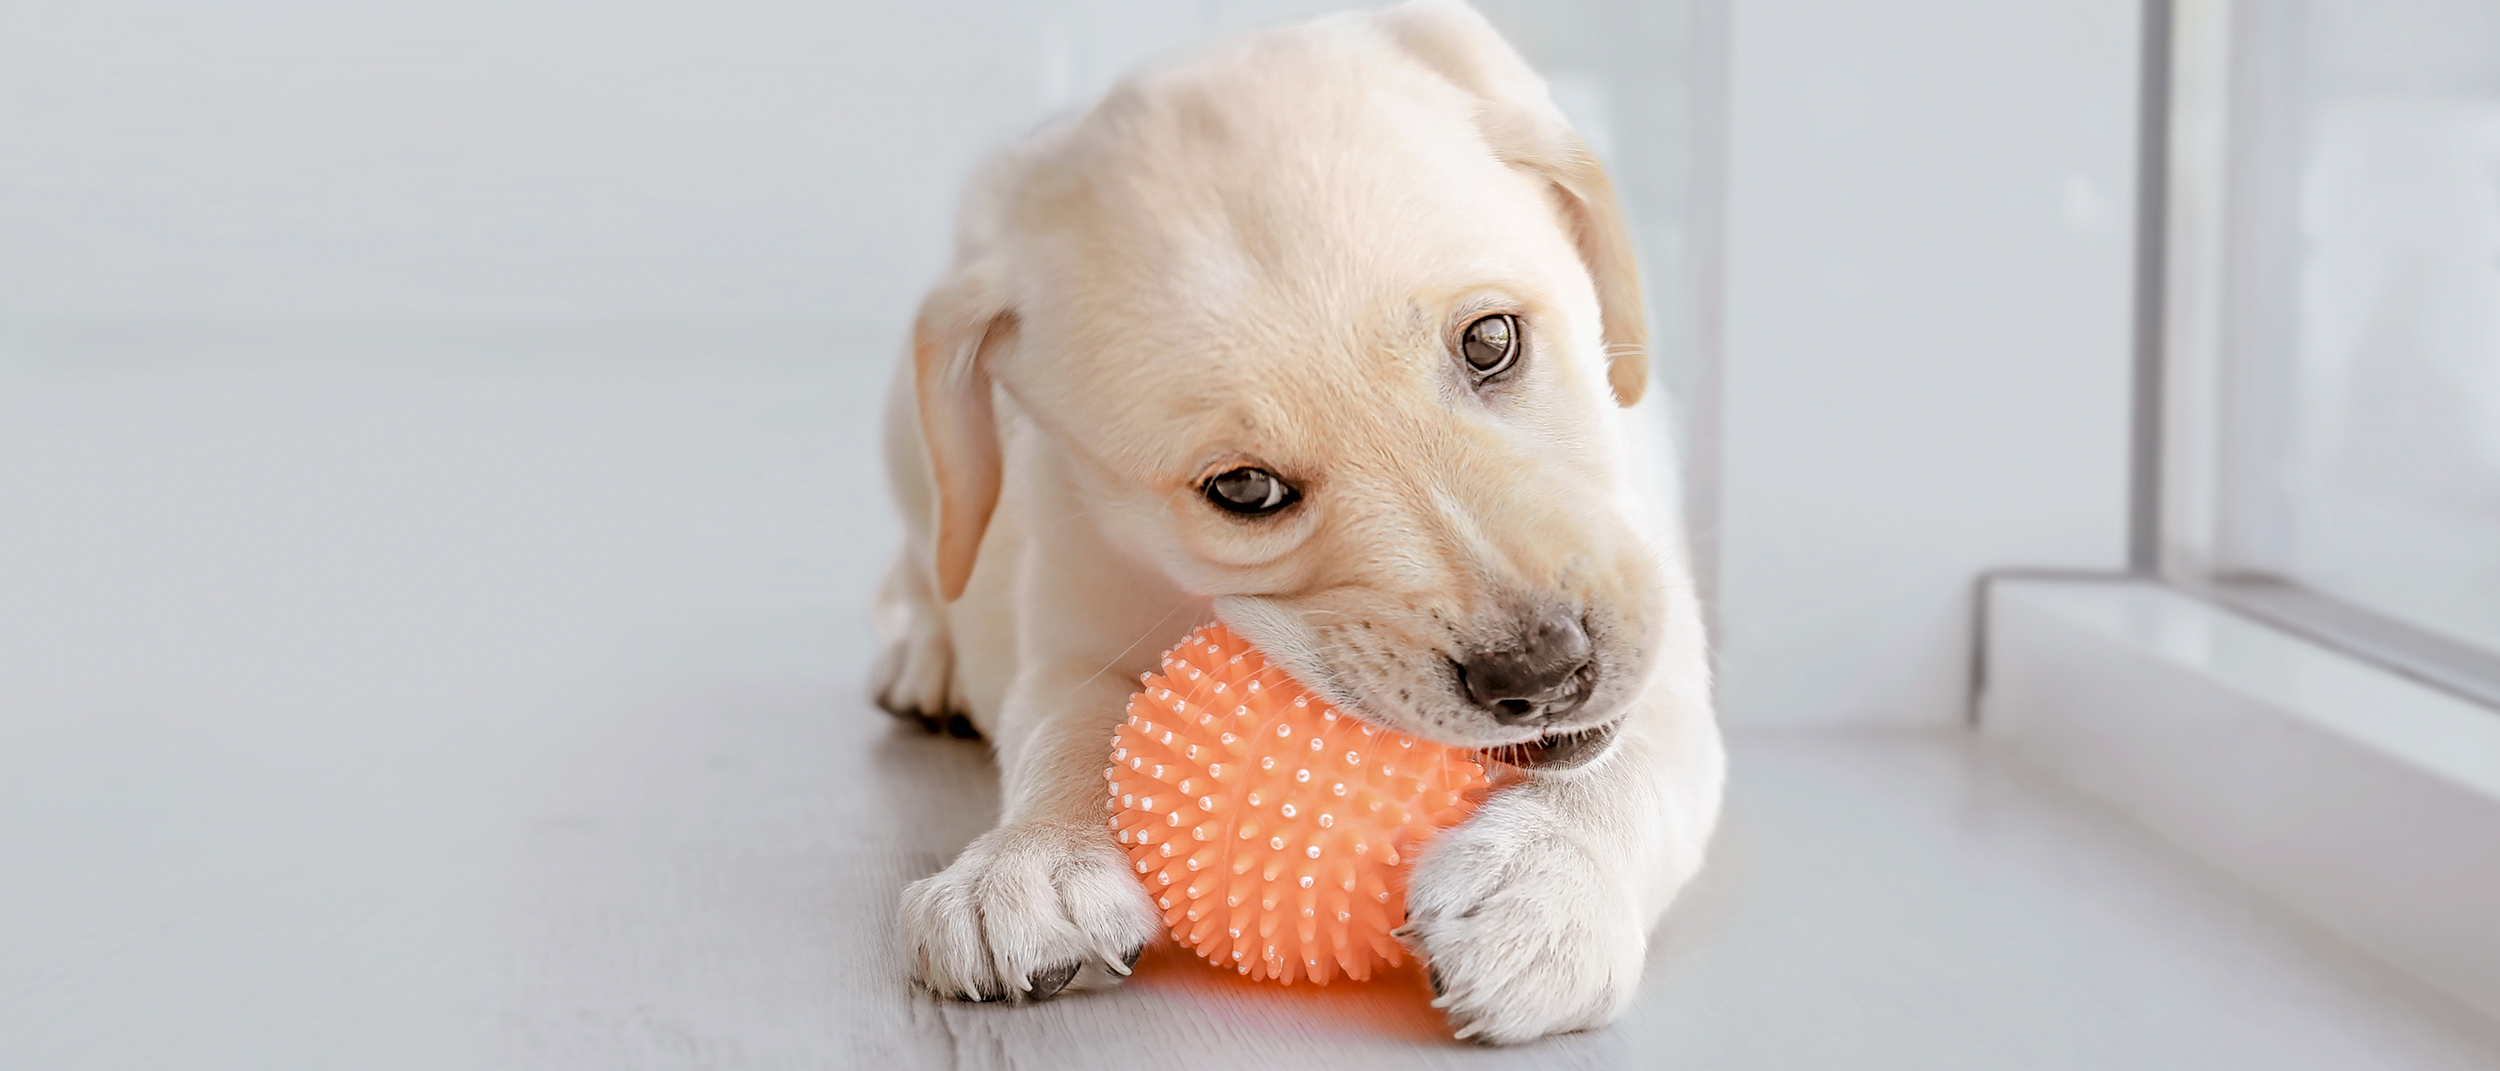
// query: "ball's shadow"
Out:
[1394,1003]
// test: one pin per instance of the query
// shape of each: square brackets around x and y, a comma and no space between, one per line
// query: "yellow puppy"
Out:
[1333,333]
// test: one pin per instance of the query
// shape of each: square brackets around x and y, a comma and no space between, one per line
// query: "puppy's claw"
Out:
[1120,965]
[1047,982]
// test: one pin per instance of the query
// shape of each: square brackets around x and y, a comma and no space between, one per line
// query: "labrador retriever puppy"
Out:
[1332,333]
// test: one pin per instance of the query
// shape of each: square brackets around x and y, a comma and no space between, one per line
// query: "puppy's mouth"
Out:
[1558,751]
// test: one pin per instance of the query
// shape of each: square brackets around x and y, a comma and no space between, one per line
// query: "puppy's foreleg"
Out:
[1534,916]
[1033,902]
[1029,905]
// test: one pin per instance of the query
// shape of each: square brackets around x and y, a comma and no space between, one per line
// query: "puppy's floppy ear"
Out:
[1518,118]
[960,325]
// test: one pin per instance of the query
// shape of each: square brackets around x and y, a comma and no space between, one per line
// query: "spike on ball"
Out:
[1309,816]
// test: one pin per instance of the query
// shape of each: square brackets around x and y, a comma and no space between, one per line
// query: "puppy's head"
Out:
[1330,326]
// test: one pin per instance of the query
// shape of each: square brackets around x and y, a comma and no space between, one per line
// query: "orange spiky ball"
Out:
[1272,829]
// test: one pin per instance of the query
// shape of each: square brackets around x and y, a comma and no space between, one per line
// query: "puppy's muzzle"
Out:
[1540,680]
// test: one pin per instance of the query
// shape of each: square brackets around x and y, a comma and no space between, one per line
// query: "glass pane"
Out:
[2369,433]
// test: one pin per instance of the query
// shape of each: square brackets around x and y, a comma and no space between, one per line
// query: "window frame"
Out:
[2207,256]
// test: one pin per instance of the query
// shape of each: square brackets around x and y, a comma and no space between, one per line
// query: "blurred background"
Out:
[439,493]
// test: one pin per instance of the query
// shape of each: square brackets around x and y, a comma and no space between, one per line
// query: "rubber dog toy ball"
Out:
[1272,829]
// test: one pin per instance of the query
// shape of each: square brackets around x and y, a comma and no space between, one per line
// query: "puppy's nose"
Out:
[1538,679]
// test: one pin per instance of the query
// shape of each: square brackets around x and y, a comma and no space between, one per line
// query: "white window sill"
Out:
[2366,801]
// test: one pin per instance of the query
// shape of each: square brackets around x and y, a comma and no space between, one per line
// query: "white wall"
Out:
[1926,228]
[566,160]
[461,160]
[1926,348]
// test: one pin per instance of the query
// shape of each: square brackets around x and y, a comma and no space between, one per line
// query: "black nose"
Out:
[1541,677]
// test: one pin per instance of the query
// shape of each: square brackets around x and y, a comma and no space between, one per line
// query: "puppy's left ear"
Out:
[1518,118]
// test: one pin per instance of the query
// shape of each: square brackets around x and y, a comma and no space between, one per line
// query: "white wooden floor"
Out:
[474,699]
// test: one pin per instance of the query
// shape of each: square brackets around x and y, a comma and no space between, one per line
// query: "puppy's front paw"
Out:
[1022,911]
[1524,931]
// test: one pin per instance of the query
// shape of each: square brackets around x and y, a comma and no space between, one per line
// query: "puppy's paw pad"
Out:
[1027,912]
[1523,933]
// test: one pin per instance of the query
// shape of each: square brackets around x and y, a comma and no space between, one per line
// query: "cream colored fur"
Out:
[1263,257]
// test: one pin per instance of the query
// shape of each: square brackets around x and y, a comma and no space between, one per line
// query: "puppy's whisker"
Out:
[1124,652]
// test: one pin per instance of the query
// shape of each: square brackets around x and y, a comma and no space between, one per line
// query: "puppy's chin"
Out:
[1557,752]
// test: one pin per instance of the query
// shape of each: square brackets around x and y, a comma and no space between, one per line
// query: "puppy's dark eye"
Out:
[1250,491]
[1490,344]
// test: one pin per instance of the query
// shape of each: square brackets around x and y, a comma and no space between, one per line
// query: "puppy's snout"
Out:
[1543,676]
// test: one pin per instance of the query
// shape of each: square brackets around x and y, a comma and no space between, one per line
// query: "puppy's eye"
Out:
[1250,491]
[1490,344]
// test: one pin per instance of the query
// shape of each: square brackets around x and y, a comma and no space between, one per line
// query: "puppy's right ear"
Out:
[960,326]
[1519,121]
